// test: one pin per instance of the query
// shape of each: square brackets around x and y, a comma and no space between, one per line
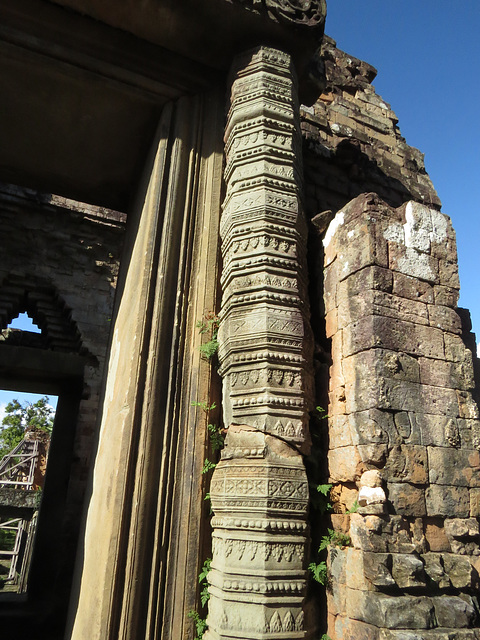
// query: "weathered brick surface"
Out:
[352,144]
[401,395]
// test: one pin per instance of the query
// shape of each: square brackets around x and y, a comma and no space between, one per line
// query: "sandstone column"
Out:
[259,490]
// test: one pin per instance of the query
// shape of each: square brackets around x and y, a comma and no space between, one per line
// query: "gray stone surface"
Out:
[435,570]
[392,612]
[401,385]
[455,612]
[408,571]
[378,569]
[443,500]
[459,570]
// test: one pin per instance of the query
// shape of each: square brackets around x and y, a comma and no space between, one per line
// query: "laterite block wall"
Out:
[404,433]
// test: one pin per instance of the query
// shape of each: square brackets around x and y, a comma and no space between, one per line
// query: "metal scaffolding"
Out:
[17,472]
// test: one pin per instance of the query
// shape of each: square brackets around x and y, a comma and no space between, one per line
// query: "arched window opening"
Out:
[23,322]
[41,353]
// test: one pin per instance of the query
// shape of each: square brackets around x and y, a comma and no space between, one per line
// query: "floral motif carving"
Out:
[308,12]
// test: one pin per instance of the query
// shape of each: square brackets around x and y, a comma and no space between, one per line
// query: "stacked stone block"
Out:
[259,490]
[400,403]
[352,142]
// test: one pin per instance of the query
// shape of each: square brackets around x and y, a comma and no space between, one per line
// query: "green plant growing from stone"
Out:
[319,572]
[321,413]
[208,325]
[216,439]
[320,497]
[214,434]
[201,623]
[205,406]
[335,539]
[319,569]
[354,508]
[319,493]
[208,466]
[202,579]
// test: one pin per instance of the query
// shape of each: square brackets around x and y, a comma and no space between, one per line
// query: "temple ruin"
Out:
[247,294]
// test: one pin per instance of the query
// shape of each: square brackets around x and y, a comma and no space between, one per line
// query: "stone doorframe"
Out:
[136,574]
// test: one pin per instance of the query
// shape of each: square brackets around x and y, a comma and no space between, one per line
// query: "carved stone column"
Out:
[259,489]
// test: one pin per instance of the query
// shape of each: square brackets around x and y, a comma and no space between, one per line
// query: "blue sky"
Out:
[427,53]
[22,322]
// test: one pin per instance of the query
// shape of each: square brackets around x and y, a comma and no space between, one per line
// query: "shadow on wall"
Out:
[334,177]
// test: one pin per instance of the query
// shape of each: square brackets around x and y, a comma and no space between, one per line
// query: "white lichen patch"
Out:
[394,233]
[417,264]
[418,226]
[332,227]
[439,226]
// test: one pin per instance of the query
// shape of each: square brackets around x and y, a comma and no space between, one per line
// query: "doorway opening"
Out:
[26,427]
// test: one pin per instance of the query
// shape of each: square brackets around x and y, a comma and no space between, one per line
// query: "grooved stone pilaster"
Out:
[259,489]
[144,530]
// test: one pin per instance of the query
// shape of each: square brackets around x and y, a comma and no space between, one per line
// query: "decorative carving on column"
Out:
[309,13]
[259,489]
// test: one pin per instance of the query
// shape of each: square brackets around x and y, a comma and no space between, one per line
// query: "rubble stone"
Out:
[407,499]
[371,479]
[436,537]
[435,570]
[455,612]
[408,571]
[459,570]
[378,569]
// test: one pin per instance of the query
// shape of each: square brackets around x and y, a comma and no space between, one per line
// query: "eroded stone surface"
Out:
[401,390]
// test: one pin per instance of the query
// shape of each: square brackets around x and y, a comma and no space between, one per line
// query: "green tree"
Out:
[20,417]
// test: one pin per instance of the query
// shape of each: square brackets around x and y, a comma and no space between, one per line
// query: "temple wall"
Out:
[352,143]
[145,528]
[401,448]
[76,254]
[339,287]
[403,427]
